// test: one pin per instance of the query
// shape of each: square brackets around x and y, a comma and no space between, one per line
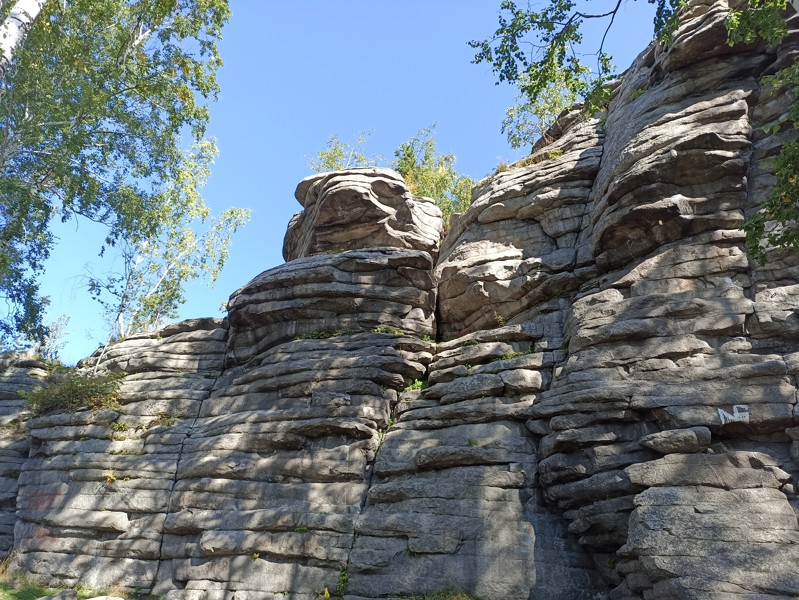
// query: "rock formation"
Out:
[610,409]
[360,208]
[17,374]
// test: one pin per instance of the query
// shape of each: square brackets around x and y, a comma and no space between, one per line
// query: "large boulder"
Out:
[360,208]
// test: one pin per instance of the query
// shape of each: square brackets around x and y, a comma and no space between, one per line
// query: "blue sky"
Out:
[294,73]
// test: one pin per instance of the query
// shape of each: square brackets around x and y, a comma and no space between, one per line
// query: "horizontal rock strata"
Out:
[360,208]
[95,492]
[360,290]
[610,410]
[18,374]
[274,473]
[676,355]
[517,246]
[453,503]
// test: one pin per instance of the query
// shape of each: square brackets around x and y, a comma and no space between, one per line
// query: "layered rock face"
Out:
[360,208]
[97,487]
[18,374]
[610,410]
[664,429]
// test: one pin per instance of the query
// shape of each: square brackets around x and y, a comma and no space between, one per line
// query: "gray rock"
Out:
[360,208]
[353,291]
[599,320]
[695,439]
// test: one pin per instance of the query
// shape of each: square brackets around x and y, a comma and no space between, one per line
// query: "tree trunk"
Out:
[15,28]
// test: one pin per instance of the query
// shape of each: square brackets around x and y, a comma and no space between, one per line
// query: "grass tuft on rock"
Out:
[66,390]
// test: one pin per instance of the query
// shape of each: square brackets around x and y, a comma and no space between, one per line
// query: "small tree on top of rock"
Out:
[431,174]
[339,155]
[426,172]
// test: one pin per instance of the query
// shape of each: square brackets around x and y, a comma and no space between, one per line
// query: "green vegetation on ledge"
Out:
[69,389]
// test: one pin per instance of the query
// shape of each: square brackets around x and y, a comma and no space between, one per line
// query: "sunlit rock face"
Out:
[590,393]
[359,290]
[360,208]
[519,244]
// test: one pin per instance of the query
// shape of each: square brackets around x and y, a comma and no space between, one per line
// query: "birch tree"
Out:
[15,29]
[95,110]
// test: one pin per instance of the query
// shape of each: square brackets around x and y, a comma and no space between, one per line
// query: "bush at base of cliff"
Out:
[68,390]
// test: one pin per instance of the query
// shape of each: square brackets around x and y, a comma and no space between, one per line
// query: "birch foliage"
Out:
[96,110]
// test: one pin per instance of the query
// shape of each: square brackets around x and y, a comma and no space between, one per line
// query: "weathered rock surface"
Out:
[17,374]
[359,290]
[276,468]
[360,208]
[97,486]
[611,411]
[675,352]
[517,246]
[453,503]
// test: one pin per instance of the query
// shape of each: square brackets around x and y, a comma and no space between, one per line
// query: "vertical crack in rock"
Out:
[453,503]
[164,581]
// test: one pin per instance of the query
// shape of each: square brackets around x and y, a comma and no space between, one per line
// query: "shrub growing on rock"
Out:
[70,389]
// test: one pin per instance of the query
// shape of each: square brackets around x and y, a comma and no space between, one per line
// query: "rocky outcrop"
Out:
[95,492]
[609,410]
[18,374]
[676,385]
[360,208]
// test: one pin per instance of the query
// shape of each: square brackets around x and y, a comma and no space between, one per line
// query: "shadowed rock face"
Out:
[17,374]
[610,412]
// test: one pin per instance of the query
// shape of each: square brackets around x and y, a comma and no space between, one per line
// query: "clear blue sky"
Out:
[297,71]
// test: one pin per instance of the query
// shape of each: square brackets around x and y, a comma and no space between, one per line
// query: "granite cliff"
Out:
[585,390]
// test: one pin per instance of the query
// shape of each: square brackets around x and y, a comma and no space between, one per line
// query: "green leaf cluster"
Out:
[539,52]
[93,114]
[69,389]
[758,19]
[418,384]
[426,172]
[776,224]
[190,243]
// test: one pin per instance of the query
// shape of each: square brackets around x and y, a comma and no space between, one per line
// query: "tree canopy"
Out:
[97,108]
